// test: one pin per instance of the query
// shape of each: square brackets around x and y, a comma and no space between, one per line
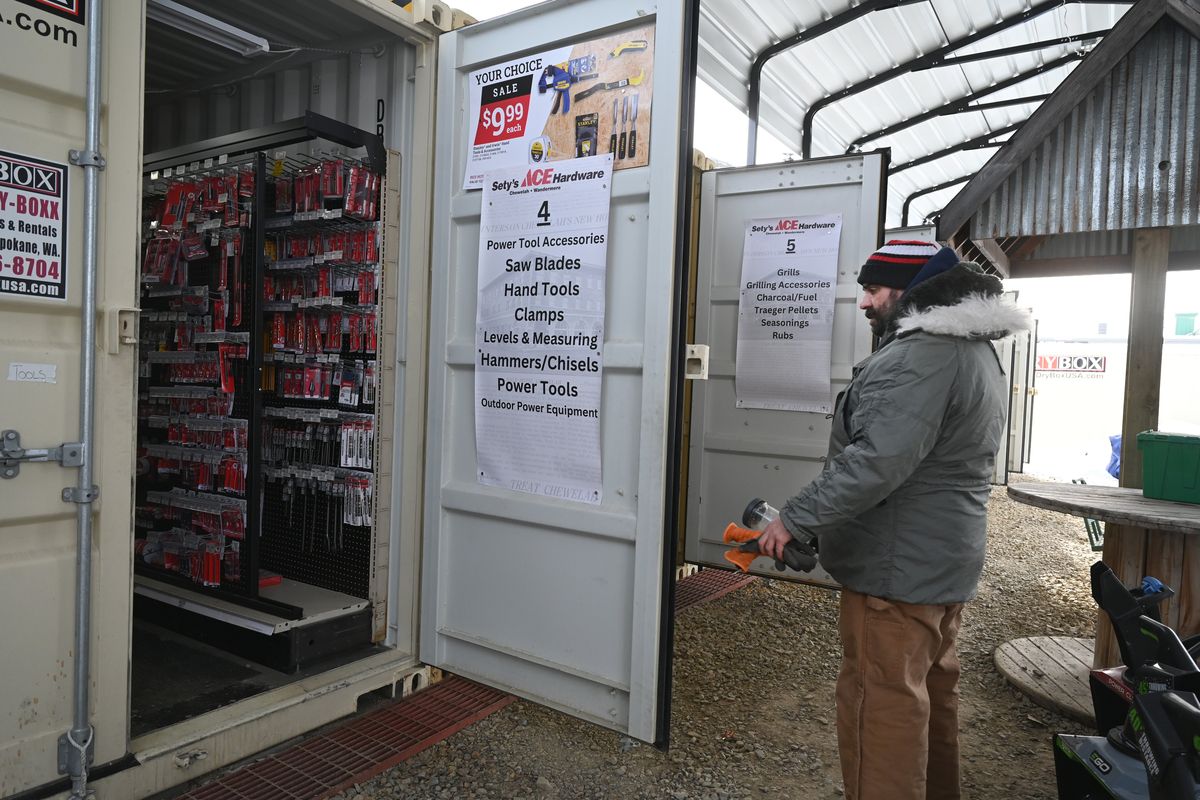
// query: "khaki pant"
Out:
[897,699]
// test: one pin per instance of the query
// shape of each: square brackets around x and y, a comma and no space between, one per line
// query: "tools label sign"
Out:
[539,330]
[578,101]
[33,230]
[785,313]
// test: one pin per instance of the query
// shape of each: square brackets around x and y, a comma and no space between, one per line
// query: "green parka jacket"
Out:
[900,509]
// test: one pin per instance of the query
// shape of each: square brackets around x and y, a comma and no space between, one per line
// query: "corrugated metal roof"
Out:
[732,33]
[1125,157]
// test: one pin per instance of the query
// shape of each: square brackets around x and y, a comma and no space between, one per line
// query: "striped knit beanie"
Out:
[896,263]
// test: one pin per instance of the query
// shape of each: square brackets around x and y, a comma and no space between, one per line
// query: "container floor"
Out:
[176,677]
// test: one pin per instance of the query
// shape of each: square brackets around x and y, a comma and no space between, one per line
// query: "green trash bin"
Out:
[1170,466]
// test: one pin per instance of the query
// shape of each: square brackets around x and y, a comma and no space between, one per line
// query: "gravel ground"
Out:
[753,700]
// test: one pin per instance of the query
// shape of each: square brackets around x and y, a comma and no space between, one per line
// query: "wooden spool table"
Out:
[1154,537]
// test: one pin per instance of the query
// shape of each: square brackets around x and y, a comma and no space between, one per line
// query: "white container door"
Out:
[1006,352]
[563,602]
[737,454]
[41,249]
[1018,422]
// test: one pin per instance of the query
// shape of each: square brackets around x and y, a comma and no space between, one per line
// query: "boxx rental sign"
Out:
[1074,366]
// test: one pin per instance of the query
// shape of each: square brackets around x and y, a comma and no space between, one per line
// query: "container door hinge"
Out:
[65,746]
[73,494]
[87,158]
[12,454]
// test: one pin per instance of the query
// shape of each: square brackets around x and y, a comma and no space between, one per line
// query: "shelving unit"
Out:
[258,374]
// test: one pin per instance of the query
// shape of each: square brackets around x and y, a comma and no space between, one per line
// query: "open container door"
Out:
[564,602]
[42,88]
[737,454]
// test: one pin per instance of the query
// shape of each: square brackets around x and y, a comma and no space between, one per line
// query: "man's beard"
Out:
[880,320]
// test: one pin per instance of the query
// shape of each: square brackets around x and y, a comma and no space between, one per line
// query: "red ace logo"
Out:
[538,177]
[788,225]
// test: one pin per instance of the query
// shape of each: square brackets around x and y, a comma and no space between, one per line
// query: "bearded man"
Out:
[900,512]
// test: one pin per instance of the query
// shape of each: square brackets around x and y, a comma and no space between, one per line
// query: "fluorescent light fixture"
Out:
[208,28]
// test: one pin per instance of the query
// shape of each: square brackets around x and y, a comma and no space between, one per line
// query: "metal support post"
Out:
[79,742]
[929,190]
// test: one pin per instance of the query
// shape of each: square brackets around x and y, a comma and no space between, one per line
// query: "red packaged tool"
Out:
[278,331]
[231,200]
[283,196]
[181,196]
[371,256]
[238,288]
[194,248]
[333,334]
[373,196]
[355,323]
[351,204]
[225,355]
[246,183]
[313,344]
[333,182]
[223,270]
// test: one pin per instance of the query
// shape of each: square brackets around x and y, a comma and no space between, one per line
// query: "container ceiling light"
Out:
[208,28]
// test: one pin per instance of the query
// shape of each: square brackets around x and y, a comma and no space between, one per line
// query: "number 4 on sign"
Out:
[544,214]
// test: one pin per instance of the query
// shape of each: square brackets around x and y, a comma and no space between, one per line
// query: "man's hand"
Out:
[773,540]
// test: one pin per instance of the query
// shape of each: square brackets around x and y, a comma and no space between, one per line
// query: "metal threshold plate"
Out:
[318,604]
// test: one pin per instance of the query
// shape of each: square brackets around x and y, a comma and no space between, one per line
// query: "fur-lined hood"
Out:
[963,302]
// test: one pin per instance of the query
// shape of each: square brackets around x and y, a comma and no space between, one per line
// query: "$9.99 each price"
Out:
[503,111]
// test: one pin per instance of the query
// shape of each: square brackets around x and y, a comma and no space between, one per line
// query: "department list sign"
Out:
[785,313]
[543,251]
[33,229]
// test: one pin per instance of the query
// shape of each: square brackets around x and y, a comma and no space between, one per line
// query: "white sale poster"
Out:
[576,101]
[543,250]
[785,313]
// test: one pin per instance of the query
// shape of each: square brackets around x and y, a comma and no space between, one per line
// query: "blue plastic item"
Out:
[1114,463]
[1151,585]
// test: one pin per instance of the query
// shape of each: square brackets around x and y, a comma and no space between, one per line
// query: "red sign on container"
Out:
[504,110]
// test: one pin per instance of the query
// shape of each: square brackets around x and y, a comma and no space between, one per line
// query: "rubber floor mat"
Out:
[706,585]
[323,765]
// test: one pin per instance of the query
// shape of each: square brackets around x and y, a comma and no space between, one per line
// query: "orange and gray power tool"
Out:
[798,555]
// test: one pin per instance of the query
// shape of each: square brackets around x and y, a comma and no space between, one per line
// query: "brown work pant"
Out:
[897,699]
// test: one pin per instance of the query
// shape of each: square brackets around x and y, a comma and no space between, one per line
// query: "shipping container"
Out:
[189,666]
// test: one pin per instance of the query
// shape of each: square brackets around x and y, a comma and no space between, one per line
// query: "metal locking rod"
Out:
[12,454]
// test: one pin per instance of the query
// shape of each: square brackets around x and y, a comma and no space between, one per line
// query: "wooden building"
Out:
[1105,178]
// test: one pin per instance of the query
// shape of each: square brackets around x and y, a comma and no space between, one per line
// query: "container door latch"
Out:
[12,454]
[696,362]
